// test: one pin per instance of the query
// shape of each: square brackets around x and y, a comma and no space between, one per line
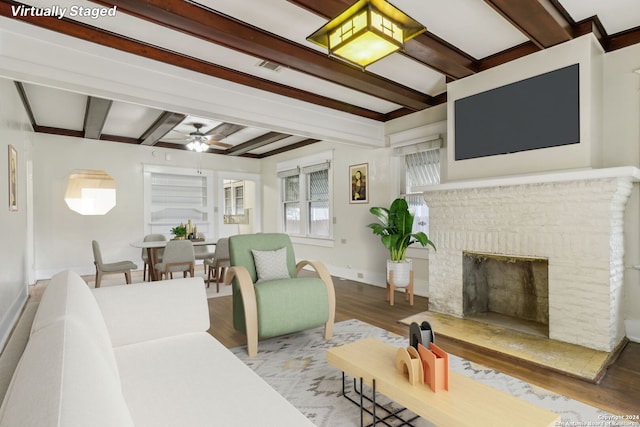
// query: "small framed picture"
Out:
[13,178]
[359,183]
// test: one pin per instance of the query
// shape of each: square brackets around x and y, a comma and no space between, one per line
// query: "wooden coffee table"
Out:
[466,403]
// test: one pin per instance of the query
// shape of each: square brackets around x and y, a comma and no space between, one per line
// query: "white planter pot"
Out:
[401,272]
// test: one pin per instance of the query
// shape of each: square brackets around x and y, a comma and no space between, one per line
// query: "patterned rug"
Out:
[295,366]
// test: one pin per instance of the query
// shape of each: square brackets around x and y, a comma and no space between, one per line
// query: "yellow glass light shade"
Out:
[366,32]
[90,192]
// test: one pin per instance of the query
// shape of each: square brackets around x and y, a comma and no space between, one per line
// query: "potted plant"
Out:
[180,232]
[395,231]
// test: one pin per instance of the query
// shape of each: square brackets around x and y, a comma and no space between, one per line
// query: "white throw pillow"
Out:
[271,265]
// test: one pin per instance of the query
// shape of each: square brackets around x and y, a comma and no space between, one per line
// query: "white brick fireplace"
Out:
[575,220]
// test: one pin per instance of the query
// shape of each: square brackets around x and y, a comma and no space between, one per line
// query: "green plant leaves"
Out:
[394,229]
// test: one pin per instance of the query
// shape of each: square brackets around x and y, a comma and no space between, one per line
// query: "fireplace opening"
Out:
[508,291]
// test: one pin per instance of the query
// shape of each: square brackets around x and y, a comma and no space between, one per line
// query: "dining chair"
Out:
[178,256]
[202,252]
[103,268]
[218,263]
[145,253]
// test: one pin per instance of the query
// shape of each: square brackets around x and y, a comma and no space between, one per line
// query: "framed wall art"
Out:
[359,183]
[13,178]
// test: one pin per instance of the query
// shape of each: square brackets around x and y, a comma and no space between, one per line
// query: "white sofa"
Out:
[134,355]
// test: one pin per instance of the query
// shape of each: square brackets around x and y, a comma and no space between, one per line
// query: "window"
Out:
[291,201]
[233,197]
[420,168]
[318,203]
[306,197]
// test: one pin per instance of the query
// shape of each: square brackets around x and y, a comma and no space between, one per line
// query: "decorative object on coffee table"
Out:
[421,334]
[395,228]
[435,365]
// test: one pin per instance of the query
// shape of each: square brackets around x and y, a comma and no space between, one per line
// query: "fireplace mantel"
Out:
[550,177]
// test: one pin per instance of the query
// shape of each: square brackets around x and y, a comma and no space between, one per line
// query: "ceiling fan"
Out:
[200,141]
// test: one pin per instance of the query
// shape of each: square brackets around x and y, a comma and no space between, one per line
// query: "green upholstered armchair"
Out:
[269,299]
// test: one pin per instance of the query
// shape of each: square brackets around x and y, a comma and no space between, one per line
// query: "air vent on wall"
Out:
[269,65]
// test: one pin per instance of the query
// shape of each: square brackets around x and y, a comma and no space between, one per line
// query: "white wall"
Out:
[356,253]
[64,237]
[621,146]
[14,257]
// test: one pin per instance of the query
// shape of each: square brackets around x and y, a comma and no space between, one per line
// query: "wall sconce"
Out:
[367,31]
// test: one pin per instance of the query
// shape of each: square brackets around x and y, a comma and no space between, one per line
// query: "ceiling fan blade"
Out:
[220,144]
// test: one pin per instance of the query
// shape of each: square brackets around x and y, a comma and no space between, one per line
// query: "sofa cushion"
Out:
[193,380]
[302,303]
[158,309]
[68,296]
[271,265]
[64,380]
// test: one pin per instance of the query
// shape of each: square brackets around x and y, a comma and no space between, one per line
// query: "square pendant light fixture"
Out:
[367,31]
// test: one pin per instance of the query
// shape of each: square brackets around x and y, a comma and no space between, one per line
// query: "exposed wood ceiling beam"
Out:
[59,131]
[258,142]
[425,48]
[534,21]
[96,35]
[623,39]
[161,127]
[118,138]
[300,144]
[27,105]
[95,116]
[215,27]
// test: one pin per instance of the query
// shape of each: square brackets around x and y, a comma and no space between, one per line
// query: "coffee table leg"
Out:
[360,403]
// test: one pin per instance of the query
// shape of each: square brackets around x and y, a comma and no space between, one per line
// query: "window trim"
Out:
[305,166]
[413,141]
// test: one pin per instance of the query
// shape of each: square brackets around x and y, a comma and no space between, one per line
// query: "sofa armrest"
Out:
[148,311]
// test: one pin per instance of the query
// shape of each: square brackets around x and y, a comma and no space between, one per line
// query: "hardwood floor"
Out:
[617,393]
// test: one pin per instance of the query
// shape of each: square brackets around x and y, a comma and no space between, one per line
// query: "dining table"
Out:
[152,251]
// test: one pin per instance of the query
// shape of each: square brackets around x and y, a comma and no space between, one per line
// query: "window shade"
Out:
[289,172]
[317,168]
[431,144]
[422,168]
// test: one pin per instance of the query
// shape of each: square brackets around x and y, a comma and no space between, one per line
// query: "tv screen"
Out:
[539,112]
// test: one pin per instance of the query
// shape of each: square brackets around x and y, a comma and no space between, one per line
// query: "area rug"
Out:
[570,359]
[295,366]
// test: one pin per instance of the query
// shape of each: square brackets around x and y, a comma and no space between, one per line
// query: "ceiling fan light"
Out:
[366,32]
[198,146]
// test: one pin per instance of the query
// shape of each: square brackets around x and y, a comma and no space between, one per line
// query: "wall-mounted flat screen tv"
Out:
[539,112]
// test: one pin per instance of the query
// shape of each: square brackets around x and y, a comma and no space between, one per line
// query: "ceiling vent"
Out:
[269,65]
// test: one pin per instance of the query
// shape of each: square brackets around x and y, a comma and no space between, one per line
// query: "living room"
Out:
[44,237]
